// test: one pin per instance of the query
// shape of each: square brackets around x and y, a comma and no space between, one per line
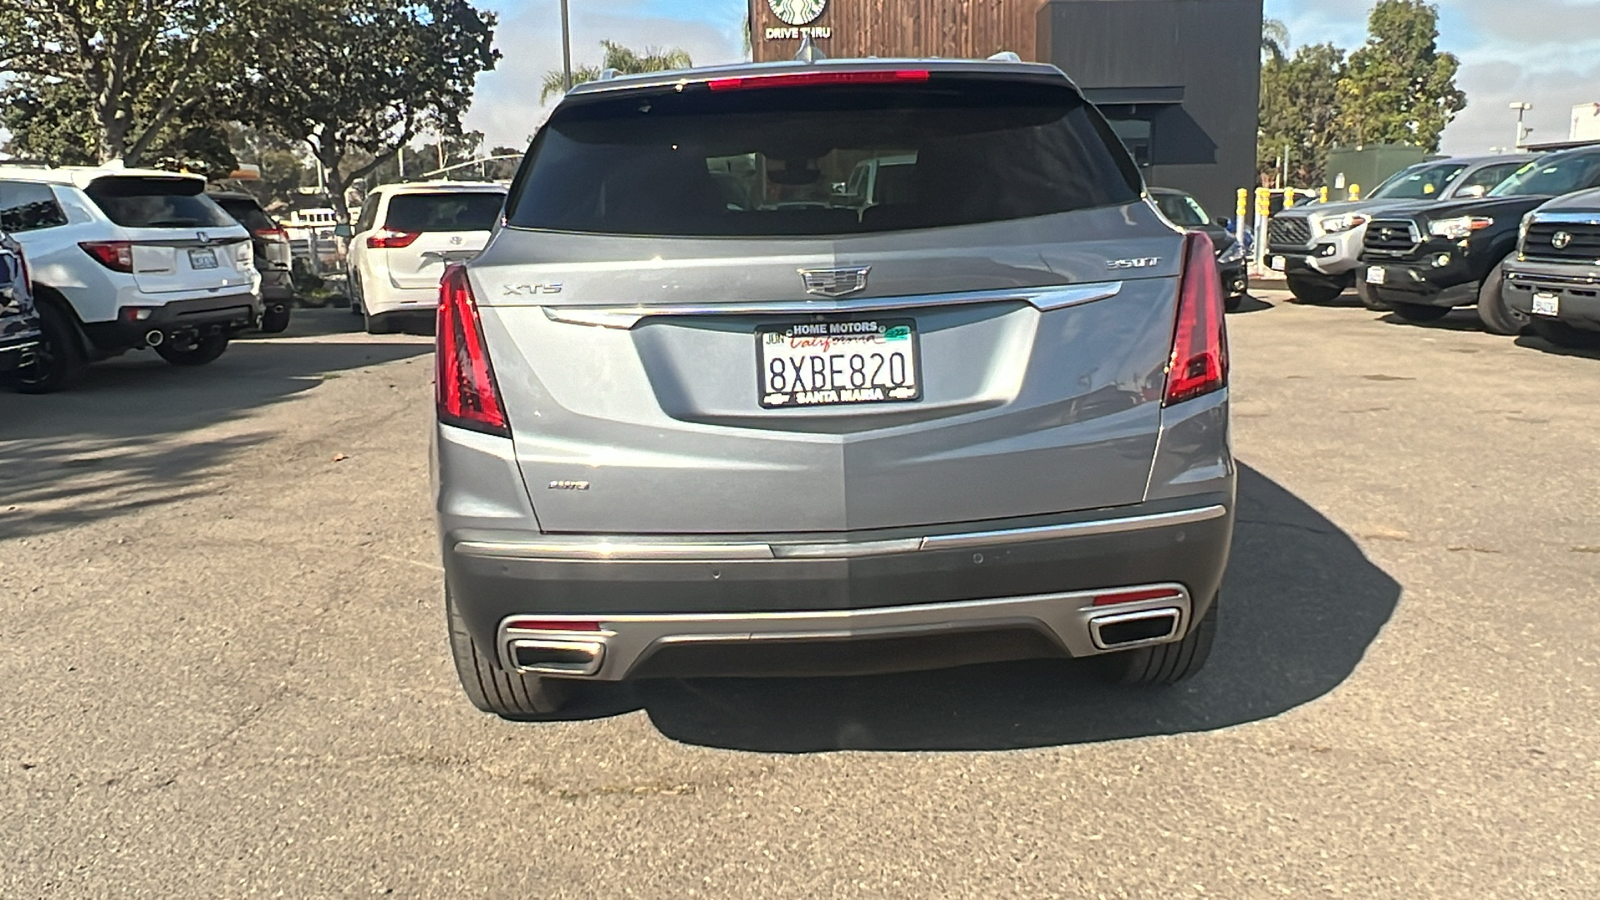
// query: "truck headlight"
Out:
[1234,253]
[1460,228]
[1341,224]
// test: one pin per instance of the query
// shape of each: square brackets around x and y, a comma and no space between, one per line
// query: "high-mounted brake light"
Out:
[812,79]
[114,255]
[389,239]
[1199,363]
[464,386]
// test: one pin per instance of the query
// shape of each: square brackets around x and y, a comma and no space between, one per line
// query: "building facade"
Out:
[1179,79]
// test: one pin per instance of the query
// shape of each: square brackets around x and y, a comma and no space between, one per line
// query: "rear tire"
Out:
[1310,290]
[1420,313]
[510,695]
[59,361]
[1166,663]
[197,352]
[1369,297]
[273,322]
[380,324]
[1496,315]
[1563,335]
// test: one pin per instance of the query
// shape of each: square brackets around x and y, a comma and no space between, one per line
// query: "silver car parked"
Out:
[701,414]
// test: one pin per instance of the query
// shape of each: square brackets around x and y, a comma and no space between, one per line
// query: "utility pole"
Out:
[1521,108]
[566,46]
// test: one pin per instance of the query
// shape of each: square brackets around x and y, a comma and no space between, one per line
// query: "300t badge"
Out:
[838,363]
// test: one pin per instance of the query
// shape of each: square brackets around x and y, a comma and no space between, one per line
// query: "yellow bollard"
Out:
[1355,192]
[1323,196]
[1244,204]
[1288,198]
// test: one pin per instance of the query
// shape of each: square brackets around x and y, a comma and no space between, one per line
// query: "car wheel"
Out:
[1370,299]
[511,695]
[1308,290]
[380,324]
[58,361]
[1166,663]
[1496,315]
[193,351]
[275,321]
[1563,335]
[1420,313]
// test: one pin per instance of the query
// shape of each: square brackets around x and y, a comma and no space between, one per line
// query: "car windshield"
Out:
[1182,209]
[157,202]
[444,211]
[1419,182]
[1552,177]
[781,161]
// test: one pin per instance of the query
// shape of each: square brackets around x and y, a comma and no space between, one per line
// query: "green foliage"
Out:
[1400,88]
[358,79]
[1300,111]
[53,122]
[133,67]
[1274,40]
[623,59]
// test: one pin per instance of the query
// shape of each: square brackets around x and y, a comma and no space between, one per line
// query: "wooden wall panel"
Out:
[964,29]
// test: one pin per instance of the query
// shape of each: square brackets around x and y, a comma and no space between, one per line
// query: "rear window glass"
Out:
[151,202]
[821,160]
[26,206]
[248,214]
[458,211]
[1181,209]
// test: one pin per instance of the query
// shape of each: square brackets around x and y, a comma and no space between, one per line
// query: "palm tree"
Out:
[1274,39]
[625,60]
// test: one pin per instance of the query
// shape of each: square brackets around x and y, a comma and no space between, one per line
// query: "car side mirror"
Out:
[344,230]
[1473,192]
[1224,222]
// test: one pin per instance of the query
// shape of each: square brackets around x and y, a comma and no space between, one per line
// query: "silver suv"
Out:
[699,413]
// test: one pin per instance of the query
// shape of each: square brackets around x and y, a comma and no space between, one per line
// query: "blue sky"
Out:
[1546,52]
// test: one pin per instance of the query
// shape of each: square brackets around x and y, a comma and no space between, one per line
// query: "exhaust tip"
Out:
[154,338]
[1150,626]
[541,656]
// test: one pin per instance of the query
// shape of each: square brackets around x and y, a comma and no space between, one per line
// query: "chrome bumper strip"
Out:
[588,549]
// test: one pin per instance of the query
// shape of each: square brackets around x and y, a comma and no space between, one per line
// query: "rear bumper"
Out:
[703,599]
[1577,289]
[277,288]
[383,298]
[17,351]
[211,315]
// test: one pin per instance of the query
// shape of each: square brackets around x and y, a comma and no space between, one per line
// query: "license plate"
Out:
[841,362]
[1376,275]
[1546,304]
[202,259]
[1277,264]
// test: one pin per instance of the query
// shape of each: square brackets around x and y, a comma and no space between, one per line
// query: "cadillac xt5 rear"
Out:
[704,411]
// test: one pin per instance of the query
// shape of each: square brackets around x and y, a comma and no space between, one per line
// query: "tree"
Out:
[1274,40]
[367,77]
[624,60]
[133,67]
[52,121]
[1300,112]
[1399,87]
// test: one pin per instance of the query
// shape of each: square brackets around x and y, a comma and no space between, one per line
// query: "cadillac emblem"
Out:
[835,282]
[798,12]
[1561,240]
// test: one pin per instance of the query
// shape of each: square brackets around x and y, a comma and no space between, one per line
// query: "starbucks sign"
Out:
[798,12]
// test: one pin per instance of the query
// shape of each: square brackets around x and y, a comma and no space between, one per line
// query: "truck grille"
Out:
[1392,237]
[1292,233]
[1557,241]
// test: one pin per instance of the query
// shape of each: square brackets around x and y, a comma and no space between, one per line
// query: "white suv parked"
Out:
[404,238]
[124,259]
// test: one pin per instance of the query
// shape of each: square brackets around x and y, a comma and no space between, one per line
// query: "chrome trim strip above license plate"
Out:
[1043,299]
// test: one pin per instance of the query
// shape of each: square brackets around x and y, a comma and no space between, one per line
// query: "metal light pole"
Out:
[1521,109]
[566,46]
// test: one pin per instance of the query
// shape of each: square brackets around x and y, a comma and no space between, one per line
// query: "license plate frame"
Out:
[824,339]
[1377,275]
[1546,303]
[203,259]
[1278,263]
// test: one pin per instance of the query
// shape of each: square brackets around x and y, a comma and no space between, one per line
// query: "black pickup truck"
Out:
[1425,260]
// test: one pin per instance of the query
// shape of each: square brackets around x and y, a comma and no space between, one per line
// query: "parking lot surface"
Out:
[222,636]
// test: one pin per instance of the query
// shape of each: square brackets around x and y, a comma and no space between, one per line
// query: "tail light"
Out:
[389,239]
[273,234]
[813,79]
[464,385]
[1199,362]
[114,255]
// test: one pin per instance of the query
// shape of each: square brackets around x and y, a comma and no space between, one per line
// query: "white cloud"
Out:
[506,107]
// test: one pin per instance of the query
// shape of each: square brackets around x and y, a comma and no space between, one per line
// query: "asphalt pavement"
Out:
[223,645]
